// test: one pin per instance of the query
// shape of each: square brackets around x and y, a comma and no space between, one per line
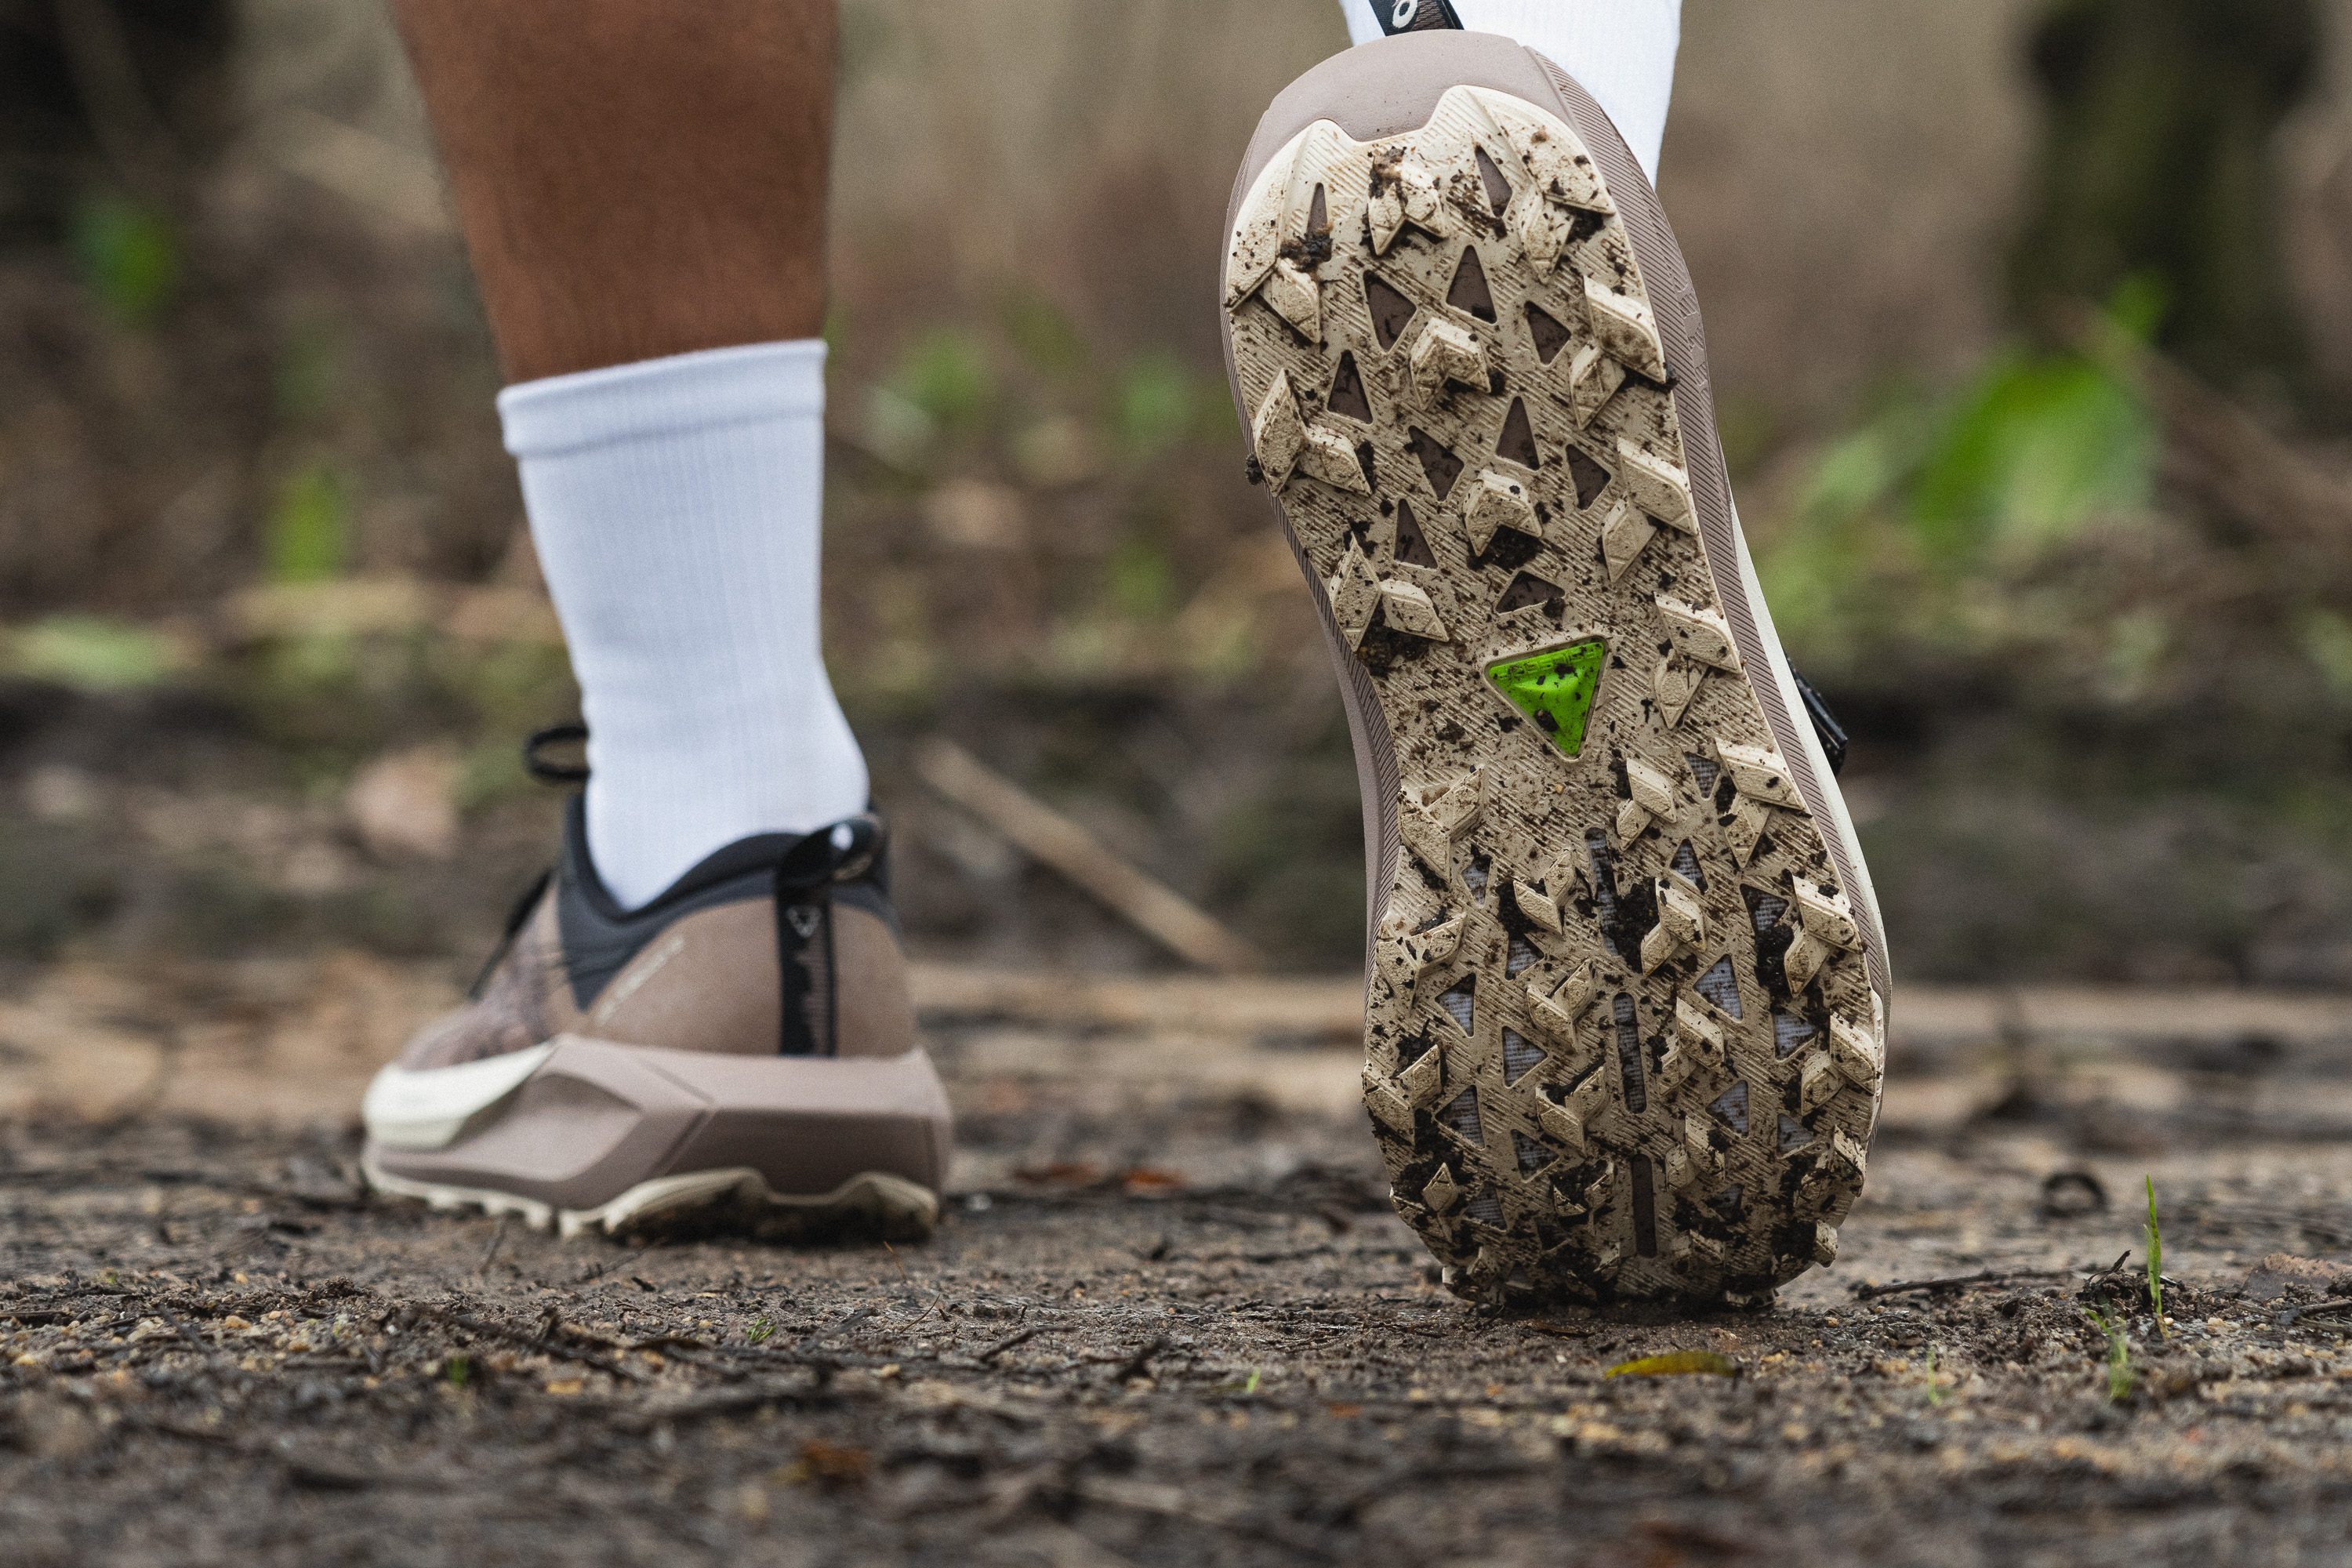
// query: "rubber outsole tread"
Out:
[1457,390]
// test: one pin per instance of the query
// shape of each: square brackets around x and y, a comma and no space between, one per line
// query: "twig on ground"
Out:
[325,1475]
[1140,1363]
[1557,1331]
[188,1336]
[498,1239]
[1957,1281]
[735,1401]
[849,1319]
[187,1432]
[361,167]
[2294,1315]
[1054,840]
[1017,1337]
[540,1339]
[1175,1502]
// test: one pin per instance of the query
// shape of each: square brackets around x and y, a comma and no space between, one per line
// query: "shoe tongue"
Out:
[758,852]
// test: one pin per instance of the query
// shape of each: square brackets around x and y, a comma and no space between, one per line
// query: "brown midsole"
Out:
[596,1118]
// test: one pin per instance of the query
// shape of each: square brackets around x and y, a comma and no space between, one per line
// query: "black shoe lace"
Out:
[1825,724]
[546,772]
[516,918]
[539,767]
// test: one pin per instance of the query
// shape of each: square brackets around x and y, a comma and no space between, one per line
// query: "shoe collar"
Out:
[600,936]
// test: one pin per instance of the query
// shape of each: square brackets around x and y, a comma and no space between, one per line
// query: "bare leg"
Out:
[643,185]
[636,179]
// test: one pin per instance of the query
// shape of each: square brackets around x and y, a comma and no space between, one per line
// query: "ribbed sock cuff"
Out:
[699,391]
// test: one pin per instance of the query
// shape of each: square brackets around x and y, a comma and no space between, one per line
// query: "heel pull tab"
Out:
[810,870]
[1416,16]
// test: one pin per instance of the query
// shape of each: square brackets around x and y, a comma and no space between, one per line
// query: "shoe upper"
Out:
[776,944]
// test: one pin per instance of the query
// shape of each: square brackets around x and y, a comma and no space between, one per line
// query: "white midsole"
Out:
[876,1191]
[432,1107]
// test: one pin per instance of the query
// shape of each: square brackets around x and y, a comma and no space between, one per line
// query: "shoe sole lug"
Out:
[1549,1147]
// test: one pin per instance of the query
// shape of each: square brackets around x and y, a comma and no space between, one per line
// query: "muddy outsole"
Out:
[874,1204]
[1622,1038]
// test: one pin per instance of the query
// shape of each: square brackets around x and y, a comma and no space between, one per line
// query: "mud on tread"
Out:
[1620,1039]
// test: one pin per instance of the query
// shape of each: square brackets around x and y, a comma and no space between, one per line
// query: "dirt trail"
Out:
[1171,1320]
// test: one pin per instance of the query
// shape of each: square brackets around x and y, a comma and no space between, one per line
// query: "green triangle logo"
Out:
[1555,689]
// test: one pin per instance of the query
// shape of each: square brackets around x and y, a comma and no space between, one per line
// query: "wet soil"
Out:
[1171,1321]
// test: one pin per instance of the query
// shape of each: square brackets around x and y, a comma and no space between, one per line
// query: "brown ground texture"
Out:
[1168,1318]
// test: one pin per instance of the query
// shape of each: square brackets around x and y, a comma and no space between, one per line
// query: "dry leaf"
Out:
[1059,1172]
[830,1464]
[1676,1363]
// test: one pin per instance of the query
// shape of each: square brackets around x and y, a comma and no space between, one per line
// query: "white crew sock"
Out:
[1620,51]
[674,504]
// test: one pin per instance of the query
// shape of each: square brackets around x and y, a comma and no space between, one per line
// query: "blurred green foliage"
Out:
[1161,403]
[325,700]
[1043,335]
[2038,446]
[1154,402]
[90,653]
[1028,387]
[308,539]
[945,374]
[939,392]
[2325,636]
[127,255]
[307,373]
[1141,579]
[1901,523]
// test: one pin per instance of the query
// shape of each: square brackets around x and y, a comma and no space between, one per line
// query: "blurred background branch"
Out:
[2032,331]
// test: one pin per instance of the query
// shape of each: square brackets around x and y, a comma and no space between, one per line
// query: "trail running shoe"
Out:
[742,1049]
[1627,986]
